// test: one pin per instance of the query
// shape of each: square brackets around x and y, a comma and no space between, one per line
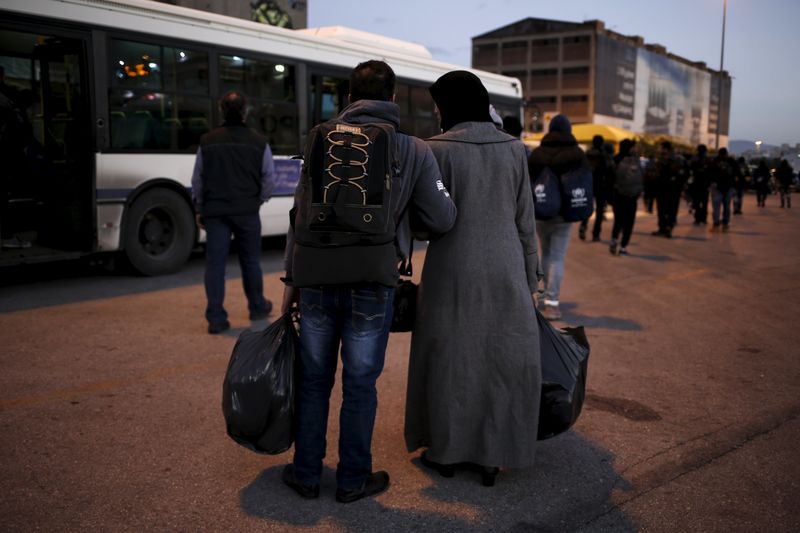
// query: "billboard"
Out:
[615,94]
[649,92]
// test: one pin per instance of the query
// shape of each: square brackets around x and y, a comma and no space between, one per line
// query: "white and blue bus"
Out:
[112,98]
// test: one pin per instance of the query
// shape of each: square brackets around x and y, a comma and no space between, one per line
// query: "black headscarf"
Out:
[460,97]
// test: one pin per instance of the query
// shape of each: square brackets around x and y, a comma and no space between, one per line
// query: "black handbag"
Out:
[405,298]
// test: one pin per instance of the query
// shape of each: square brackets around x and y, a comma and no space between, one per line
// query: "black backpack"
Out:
[629,177]
[577,198]
[345,224]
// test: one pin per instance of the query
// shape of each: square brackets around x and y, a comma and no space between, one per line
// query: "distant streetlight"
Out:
[721,61]
[758,147]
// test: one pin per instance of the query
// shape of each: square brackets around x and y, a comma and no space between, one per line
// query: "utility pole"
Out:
[721,63]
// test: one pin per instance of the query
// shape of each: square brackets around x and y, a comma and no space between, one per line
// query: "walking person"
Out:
[343,273]
[233,175]
[700,166]
[761,183]
[723,178]
[741,184]
[560,152]
[628,186]
[603,180]
[474,375]
[784,176]
[668,187]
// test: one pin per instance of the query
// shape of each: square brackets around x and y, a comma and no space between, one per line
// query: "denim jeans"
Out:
[721,201]
[554,238]
[358,319]
[246,229]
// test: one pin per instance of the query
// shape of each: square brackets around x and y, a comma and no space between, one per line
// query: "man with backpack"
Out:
[724,173]
[701,181]
[669,181]
[362,181]
[562,194]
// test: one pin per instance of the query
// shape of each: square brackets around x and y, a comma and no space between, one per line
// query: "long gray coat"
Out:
[474,376]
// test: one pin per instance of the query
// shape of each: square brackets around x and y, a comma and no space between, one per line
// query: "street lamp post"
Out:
[721,63]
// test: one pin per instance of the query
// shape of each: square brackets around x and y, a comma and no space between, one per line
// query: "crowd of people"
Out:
[472,192]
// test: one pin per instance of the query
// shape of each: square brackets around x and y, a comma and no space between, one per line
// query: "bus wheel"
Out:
[159,232]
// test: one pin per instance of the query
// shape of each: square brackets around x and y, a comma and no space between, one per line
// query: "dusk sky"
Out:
[762,40]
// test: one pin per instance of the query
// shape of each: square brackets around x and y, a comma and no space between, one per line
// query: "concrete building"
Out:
[595,75]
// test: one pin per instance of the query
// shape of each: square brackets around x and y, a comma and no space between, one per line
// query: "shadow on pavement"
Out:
[569,489]
[606,322]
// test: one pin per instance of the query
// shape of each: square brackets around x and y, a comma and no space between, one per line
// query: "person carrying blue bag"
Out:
[558,159]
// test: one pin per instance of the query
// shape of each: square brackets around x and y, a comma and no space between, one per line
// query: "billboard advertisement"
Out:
[649,92]
[616,78]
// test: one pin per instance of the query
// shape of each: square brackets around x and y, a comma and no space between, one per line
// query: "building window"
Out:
[544,50]
[484,55]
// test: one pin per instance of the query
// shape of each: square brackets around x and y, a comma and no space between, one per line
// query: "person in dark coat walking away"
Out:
[761,183]
[723,178]
[627,188]
[741,184]
[233,175]
[474,377]
[346,291]
[701,181]
[560,152]
[603,174]
[669,184]
[785,177]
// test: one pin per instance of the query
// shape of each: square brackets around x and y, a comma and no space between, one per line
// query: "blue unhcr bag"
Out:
[577,202]
[546,194]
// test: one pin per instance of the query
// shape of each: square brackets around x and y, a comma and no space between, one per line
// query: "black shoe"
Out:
[489,475]
[444,470]
[261,313]
[308,492]
[376,483]
[595,238]
[582,234]
[219,327]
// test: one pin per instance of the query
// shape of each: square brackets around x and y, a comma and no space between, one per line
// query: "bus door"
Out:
[327,96]
[47,191]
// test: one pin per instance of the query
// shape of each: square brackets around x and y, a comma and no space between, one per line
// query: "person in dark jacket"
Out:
[724,171]
[761,183]
[669,182]
[354,316]
[741,184]
[701,181]
[785,177]
[627,188]
[560,152]
[233,175]
[603,180]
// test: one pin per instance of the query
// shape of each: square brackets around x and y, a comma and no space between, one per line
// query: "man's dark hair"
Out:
[372,80]
[723,152]
[512,125]
[233,106]
[597,141]
[666,145]
[702,149]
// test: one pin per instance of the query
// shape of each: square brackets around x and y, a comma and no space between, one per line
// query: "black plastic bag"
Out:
[565,359]
[258,391]
[404,306]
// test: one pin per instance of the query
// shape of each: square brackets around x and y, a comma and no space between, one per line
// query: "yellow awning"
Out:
[584,132]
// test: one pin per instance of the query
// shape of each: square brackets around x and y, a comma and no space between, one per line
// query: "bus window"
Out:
[270,91]
[328,96]
[425,122]
[159,97]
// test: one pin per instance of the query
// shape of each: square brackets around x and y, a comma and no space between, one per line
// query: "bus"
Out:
[104,103]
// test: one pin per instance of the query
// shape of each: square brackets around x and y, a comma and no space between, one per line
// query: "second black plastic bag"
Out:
[565,359]
[258,391]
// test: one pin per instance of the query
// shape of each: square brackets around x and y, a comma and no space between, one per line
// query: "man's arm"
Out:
[430,200]
[267,174]
[197,187]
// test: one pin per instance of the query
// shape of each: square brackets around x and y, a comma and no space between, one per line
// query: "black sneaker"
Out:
[261,313]
[308,492]
[219,327]
[376,483]
[613,247]
[582,233]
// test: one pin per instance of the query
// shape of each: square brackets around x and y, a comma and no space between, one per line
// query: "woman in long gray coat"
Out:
[474,376]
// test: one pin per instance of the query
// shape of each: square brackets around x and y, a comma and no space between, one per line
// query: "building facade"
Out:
[595,75]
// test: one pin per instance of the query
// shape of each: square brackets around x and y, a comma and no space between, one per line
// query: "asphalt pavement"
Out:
[110,392]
